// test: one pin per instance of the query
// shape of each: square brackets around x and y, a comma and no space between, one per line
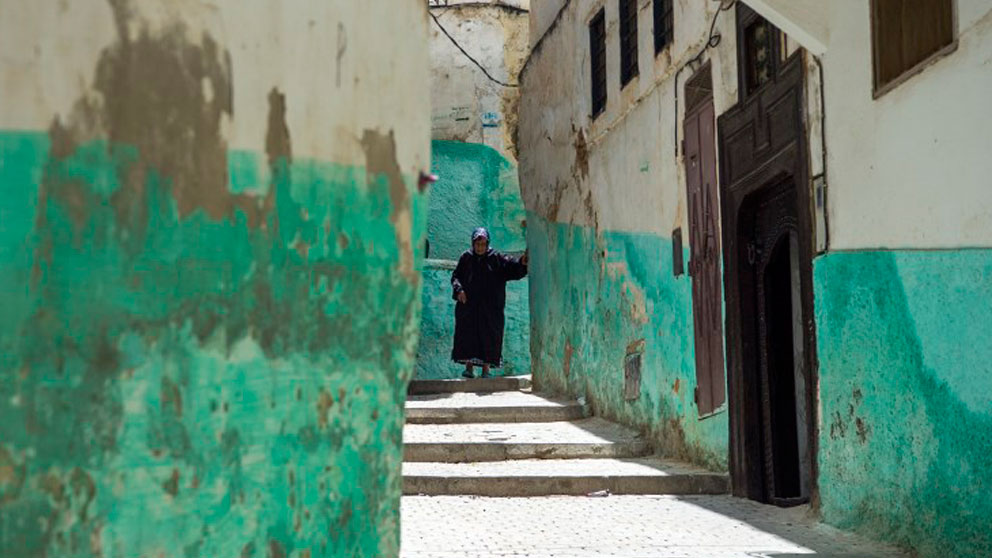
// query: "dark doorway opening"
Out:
[771,308]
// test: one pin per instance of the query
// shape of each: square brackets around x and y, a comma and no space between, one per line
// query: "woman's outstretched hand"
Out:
[525,258]
[462,298]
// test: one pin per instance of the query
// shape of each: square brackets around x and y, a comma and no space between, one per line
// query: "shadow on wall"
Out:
[906,388]
[477,186]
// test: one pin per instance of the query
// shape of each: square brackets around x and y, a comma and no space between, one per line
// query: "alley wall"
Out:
[211,239]
[604,196]
[901,274]
[904,295]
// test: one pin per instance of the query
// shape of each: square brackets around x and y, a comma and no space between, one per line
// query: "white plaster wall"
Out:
[635,180]
[465,104]
[912,169]
[343,66]
[543,14]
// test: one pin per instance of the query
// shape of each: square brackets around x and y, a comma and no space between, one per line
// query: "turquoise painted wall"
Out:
[477,186]
[593,296]
[905,354]
[225,380]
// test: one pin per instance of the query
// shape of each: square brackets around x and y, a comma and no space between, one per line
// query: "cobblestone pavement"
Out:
[619,526]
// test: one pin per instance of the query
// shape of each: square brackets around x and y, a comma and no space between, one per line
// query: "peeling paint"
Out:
[597,297]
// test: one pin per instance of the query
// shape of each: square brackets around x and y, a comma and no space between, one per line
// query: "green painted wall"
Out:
[477,186]
[905,355]
[223,379]
[593,296]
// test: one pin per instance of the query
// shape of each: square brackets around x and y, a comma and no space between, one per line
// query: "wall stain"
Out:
[380,160]
[12,476]
[581,165]
[165,315]
[171,485]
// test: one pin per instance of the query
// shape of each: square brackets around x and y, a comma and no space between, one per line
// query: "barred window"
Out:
[628,41]
[597,57]
[664,25]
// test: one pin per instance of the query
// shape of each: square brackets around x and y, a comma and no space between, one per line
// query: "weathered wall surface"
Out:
[906,390]
[477,187]
[210,303]
[595,298]
[603,198]
[466,105]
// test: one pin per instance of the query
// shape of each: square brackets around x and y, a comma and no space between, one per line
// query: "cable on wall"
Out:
[467,55]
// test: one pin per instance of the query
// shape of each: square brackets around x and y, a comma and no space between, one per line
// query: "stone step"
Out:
[489,385]
[565,477]
[461,443]
[505,406]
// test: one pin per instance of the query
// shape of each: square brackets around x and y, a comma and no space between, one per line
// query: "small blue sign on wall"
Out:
[490,119]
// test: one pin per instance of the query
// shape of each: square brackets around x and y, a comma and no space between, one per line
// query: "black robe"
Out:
[479,322]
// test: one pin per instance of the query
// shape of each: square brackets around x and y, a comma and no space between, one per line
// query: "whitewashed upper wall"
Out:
[465,104]
[343,66]
[633,180]
[542,15]
[912,168]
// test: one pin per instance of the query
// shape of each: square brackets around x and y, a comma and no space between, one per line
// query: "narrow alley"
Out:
[495,278]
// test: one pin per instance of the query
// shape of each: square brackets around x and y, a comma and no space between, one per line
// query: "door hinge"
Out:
[695,396]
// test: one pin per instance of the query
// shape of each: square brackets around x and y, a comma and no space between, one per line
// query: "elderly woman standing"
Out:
[479,285]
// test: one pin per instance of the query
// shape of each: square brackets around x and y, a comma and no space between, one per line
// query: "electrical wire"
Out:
[467,55]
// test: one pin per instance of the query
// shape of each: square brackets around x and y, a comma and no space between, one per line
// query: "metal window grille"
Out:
[597,57]
[758,48]
[664,24]
[628,41]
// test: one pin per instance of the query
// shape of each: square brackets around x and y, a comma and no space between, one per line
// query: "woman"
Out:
[479,285]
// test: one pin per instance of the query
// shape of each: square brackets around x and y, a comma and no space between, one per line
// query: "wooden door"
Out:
[704,242]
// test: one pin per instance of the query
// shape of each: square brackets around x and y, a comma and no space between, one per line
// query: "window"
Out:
[906,33]
[597,58]
[628,41]
[664,28]
[759,56]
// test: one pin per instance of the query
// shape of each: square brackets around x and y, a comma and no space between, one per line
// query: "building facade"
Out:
[761,231]
[474,156]
[211,238]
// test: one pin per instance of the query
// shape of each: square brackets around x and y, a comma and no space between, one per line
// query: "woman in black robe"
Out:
[479,285]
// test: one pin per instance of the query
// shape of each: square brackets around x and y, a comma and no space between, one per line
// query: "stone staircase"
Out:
[493,437]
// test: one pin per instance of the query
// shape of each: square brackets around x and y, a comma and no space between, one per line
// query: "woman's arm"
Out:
[514,268]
